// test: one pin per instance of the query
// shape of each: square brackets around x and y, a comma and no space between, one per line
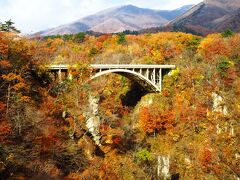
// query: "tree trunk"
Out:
[8,99]
[19,123]
[74,127]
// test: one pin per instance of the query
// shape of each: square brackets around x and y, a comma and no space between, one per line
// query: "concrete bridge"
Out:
[148,76]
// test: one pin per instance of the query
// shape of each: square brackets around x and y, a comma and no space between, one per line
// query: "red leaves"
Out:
[106,172]
[155,120]
[166,93]
[200,111]
[51,108]
[2,106]
[116,140]
[5,130]
[5,64]
[103,38]
[48,140]
[214,46]
[2,110]
[230,77]
[205,159]
[47,143]
[145,120]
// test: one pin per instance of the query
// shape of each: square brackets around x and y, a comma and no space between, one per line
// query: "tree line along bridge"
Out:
[148,76]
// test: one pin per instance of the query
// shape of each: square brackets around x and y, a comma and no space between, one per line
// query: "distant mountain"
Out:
[208,17]
[118,19]
[172,14]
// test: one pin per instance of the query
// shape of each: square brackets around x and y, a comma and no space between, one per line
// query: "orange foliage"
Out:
[5,64]
[230,77]
[46,144]
[218,169]
[165,45]
[234,43]
[50,107]
[201,112]
[165,93]
[19,86]
[103,38]
[12,76]
[5,130]
[2,106]
[107,173]
[184,101]
[214,46]
[145,119]
[100,40]
[3,44]
[48,140]
[25,99]
[73,176]
[206,159]
[155,120]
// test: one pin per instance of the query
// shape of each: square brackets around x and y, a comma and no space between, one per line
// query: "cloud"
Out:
[35,15]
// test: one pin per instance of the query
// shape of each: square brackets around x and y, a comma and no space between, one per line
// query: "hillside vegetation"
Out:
[188,131]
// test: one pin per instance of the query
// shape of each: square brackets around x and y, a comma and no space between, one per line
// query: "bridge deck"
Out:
[116,66]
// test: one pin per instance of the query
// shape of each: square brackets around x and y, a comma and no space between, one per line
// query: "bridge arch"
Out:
[148,76]
[132,75]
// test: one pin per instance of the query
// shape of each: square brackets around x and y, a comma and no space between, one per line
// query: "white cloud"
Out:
[35,15]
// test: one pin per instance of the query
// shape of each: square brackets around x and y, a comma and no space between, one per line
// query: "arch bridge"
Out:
[148,76]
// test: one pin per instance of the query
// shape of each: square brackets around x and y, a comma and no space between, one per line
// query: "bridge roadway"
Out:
[148,76]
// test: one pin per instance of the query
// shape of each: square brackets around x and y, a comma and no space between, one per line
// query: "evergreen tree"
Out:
[8,26]
[227,33]
[121,38]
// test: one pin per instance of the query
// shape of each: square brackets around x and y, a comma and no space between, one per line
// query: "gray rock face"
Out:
[163,168]
[93,120]
[117,20]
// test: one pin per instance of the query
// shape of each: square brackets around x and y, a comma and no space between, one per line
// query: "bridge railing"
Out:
[113,66]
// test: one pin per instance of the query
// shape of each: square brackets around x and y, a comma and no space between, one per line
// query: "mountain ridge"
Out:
[207,17]
[117,19]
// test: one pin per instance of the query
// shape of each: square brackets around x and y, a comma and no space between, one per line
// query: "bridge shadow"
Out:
[134,95]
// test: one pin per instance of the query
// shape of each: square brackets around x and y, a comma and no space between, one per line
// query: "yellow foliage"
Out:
[73,176]
[25,98]
[12,76]
[19,86]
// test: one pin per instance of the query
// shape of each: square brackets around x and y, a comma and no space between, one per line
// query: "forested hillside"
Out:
[110,128]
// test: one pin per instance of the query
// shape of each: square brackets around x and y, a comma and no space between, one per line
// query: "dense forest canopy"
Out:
[189,131]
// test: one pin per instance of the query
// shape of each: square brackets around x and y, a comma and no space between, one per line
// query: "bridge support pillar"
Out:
[60,75]
[160,79]
[147,74]
[69,75]
[153,78]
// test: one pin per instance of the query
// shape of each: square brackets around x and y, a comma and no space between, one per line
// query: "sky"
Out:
[35,15]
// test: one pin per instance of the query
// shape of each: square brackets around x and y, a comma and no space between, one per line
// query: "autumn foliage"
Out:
[46,127]
[152,120]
